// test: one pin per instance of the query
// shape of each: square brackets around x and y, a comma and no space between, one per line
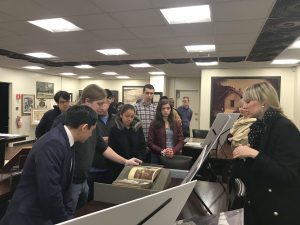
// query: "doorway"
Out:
[4,96]
[194,105]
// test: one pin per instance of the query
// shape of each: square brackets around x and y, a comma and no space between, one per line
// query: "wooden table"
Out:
[211,193]
[8,138]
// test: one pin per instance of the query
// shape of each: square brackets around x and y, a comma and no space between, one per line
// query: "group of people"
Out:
[88,142]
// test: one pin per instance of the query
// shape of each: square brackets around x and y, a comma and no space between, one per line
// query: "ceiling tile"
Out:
[227,11]
[121,5]
[95,22]
[140,18]
[152,32]
[239,27]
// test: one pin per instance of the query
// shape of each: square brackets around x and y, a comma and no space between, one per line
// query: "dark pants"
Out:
[186,132]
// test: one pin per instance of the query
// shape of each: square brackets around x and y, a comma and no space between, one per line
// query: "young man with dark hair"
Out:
[62,98]
[43,195]
[111,100]
[146,110]
[186,114]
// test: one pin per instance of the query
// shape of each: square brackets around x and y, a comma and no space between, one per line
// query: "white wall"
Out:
[297,97]
[113,84]
[23,82]
[287,90]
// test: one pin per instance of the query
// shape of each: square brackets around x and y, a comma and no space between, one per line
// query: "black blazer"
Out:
[43,195]
[273,178]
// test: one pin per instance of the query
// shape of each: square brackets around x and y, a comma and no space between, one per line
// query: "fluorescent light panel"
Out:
[68,74]
[285,61]
[109,73]
[55,25]
[200,48]
[141,65]
[296,44]
[33,67]
[190,14]
[84,66]
[115,51]
[84,77]
[157,73]
[122,77]
[41,55]
[213,63]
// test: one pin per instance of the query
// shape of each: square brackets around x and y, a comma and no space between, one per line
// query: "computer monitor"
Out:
[158,208]
[219,130]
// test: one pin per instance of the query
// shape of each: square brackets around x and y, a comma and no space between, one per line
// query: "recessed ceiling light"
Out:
[84,77]
[84,66]
[296,44]
[213,63]
[122,77]
[285,61]
[42,55]
[33,67]
[157,73]
[116,51]
[55,25]
[67,74]
[190,14]
[141,65]
[200,48]
[109,73]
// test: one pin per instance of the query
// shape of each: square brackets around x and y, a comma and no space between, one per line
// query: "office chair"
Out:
[237,195]
[199,133]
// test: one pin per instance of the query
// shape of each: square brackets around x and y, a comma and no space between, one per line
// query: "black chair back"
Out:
[237,195]
[199,133]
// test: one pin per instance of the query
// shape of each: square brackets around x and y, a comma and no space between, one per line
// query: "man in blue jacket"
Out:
[43,195]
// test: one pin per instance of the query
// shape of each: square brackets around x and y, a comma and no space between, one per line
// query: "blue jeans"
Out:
[80,193]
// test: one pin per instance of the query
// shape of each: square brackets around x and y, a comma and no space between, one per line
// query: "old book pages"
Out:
[139,177]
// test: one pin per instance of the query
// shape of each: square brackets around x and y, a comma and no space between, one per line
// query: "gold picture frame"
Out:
[36,115]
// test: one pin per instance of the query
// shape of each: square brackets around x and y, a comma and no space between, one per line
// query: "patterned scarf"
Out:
[258,128]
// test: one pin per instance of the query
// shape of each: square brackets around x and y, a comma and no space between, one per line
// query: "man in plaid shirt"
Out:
[146,111]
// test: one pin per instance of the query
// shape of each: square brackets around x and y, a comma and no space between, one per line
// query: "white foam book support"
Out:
[158,208]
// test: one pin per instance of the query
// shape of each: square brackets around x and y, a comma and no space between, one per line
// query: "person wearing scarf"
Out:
[271,170]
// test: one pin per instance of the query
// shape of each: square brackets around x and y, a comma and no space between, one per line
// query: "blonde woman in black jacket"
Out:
[271,170]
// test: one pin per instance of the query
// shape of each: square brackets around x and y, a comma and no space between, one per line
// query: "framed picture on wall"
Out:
[36,115]
[156,96]
[227,91]
[131,94]
[27,104]
[44,90]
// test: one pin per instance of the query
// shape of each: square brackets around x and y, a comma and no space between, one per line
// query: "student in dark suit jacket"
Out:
[165,134]
[271,170]
[43,195]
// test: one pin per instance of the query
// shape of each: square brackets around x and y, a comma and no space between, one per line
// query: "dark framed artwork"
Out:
[116,96]
[131,94]
[227,91]
[27,104]
[44,90]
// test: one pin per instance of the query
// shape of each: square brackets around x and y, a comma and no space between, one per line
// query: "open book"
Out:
[139,177]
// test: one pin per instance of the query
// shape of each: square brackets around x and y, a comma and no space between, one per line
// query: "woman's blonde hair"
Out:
[263,92]
[92,92]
